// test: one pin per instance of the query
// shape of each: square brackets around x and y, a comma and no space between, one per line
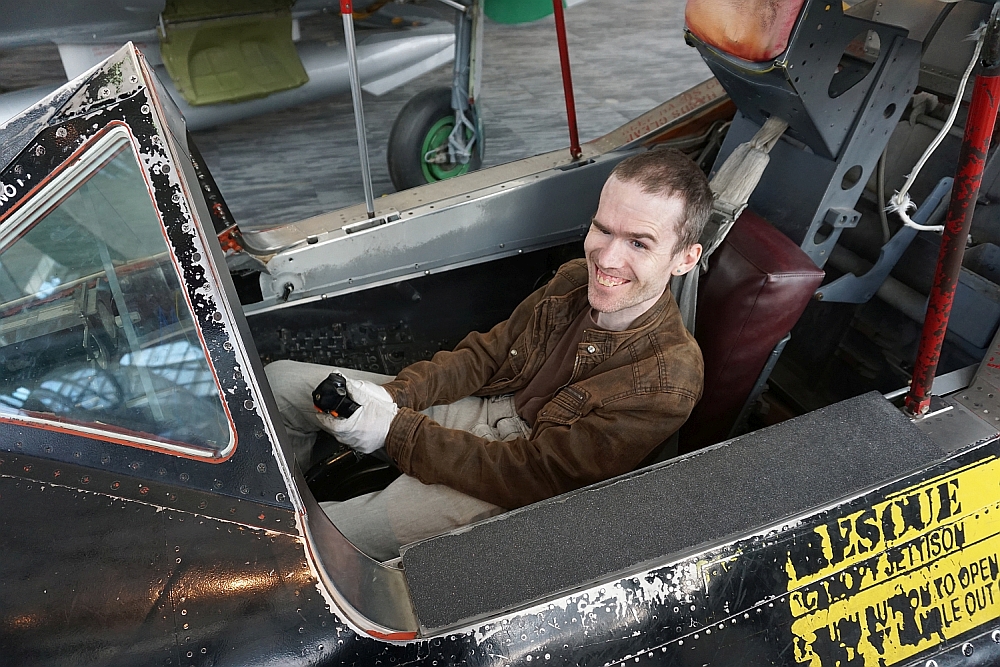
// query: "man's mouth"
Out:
[606,280]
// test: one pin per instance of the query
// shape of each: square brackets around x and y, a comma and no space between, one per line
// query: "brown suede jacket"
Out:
[630,390]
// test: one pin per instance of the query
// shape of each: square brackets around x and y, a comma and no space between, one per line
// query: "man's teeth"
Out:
[609,281]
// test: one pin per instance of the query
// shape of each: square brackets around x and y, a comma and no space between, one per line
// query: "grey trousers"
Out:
[407,510]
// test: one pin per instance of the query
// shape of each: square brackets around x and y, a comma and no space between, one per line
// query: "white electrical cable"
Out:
[900,202]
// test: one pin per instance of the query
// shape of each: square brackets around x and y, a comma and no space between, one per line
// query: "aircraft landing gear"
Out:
[439,134]
[424,145]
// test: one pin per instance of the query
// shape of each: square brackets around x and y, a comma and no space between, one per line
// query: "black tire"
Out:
[426,111]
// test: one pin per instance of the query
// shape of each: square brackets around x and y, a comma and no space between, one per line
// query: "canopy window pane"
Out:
[95,329]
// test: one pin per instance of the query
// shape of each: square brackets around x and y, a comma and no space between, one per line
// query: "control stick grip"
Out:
[332,398]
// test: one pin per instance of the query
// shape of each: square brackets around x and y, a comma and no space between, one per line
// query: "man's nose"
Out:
[611,255]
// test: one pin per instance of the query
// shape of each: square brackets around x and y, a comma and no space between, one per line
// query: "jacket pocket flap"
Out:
[566,406]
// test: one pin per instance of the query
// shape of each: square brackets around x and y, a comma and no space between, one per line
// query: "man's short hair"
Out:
[666,172]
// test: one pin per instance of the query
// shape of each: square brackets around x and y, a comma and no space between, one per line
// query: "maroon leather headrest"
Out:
[757,286]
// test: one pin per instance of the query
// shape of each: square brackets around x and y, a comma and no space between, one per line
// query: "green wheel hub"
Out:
[435,138]
[423,127]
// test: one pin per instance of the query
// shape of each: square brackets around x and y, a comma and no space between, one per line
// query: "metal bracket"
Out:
[838,104]
[465,84]
[356,227]
[982,396]
[953,425]
[851,288]
[842,218]
[460,149]
[818,85]
[740,425]
[943,384]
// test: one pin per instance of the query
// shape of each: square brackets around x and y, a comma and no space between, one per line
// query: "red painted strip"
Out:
[394,636]
[228,240]
[971,161]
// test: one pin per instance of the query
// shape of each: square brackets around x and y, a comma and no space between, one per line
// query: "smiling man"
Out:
[639,239]
[585,379]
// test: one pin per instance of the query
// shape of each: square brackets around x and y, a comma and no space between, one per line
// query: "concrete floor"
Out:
[627,57]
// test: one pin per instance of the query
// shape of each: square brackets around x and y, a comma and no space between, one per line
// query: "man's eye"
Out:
[639,244]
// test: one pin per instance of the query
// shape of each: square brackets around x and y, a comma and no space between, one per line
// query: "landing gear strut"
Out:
[439,134]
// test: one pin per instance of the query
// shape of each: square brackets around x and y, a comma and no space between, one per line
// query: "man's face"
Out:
[631,253]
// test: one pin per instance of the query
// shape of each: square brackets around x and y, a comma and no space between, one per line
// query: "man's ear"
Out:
[689,259]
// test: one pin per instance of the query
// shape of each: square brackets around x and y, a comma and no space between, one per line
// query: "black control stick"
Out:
[331,397]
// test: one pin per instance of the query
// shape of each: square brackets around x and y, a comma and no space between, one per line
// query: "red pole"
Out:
[574,136]
[971,160]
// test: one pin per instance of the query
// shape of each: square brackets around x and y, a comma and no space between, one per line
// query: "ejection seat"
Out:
[840,82]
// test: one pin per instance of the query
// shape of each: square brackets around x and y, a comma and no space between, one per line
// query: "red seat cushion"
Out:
[757,286]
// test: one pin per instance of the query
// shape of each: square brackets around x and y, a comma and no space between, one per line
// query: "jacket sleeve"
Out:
[559,458]
[450,376]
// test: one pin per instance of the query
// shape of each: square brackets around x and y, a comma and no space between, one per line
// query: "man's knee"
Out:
[295,377]
[416,511]
[279,373]
[292,382]
[281,366]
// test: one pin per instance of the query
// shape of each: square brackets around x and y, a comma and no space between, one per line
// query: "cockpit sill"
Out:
[457,222]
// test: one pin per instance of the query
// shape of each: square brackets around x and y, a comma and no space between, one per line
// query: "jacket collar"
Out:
[612,340]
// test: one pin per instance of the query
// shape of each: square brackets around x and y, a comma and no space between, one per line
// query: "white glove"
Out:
[365,430]
[370,388]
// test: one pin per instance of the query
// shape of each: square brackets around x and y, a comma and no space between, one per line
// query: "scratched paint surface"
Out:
[884,583]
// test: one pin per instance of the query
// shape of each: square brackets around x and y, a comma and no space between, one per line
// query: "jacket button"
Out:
[591,349]
[513,353]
